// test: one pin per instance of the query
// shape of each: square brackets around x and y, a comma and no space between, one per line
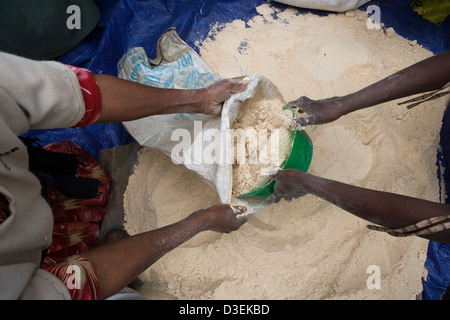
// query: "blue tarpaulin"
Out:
[126,23]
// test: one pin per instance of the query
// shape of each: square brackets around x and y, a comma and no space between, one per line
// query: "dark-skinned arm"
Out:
[124,100]
[117,263]
[382,208]
[427,75]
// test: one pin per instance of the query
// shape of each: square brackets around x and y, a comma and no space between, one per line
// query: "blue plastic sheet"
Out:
[125,24]
[438,255]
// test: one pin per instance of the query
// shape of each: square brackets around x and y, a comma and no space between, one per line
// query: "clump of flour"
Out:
[307,248]
[262,141]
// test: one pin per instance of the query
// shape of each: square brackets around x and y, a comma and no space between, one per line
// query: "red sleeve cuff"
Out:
[91,96]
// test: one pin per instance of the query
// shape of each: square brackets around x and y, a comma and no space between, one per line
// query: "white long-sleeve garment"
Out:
[33,95]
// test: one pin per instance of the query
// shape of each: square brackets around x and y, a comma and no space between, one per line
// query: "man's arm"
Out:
[117,263]
[382,208]
[124,100]
[427,75]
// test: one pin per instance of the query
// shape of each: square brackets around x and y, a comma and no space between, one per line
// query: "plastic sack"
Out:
[178,66]
[326,5]
[437,281]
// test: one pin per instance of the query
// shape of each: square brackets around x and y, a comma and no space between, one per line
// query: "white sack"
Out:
[179,66]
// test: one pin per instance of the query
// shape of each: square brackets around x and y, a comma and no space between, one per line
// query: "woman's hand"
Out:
[224,218]
[117,263]
[319,111]
[124,100]
[288,185]
[218,92]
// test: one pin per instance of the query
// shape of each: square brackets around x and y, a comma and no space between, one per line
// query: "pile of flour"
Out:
[262,141]
[307,248]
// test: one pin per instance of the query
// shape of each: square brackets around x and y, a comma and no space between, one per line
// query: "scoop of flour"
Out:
[262,140]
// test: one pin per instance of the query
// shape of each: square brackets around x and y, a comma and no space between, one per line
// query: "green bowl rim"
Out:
[266,191]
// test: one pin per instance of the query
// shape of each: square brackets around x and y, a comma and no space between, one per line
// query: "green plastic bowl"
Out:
[299,158]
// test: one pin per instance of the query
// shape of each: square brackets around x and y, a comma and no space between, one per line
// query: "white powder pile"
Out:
[262,140]
[307,248]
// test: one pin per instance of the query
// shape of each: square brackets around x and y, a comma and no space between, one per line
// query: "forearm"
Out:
[427,75]
[124,100]
[118,263]
[382,208]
